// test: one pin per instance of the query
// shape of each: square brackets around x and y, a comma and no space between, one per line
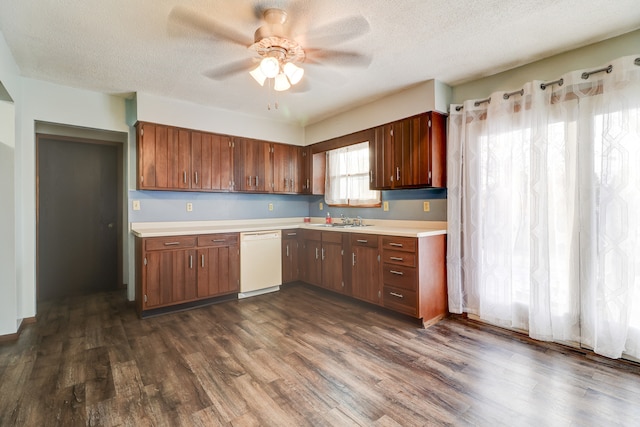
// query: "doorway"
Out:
[79,216]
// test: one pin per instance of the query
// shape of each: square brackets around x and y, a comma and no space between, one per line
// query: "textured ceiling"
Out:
[125,46]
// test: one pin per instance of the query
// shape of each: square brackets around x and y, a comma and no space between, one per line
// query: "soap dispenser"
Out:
[328,220]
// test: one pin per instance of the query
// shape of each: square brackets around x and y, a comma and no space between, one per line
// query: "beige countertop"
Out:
[382,227]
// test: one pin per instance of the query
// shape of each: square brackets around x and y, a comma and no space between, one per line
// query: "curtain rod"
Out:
[543,86]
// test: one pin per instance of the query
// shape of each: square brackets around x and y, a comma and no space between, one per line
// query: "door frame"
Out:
[119,195]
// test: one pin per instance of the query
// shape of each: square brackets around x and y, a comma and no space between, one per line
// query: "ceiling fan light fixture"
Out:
[258,75]
[270,67]
[281,83]
[293,72]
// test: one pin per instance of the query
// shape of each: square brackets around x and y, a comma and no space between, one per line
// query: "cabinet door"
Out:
[211,162]
[435,126]
[365,273]
[381,158]
[312,262]
[402,151]
[305,172]
[251,164]
[218,271]
[164,157]
[290,254]
[332,255]
[169,278]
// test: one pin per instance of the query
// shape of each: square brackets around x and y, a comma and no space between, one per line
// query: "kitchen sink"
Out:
[340,225]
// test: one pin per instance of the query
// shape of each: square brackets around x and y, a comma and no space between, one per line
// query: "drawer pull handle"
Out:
[172,243]
[397,245]
[394,294]
[292,234]
[396,258]
[202,260]
[362,241]
[218,240]
[399,273]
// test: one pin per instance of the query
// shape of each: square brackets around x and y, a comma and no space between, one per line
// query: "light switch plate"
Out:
[189,207]
[426,206]
[270,206]
[136,205]
[321,206]
[385,206]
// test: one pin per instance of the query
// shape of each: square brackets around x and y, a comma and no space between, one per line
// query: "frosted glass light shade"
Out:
[258,75]
[270,67]
[281,83]
[293,72]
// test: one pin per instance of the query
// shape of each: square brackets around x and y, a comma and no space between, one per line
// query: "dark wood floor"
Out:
[294,358]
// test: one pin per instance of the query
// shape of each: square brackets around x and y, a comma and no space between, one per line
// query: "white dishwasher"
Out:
[260,262]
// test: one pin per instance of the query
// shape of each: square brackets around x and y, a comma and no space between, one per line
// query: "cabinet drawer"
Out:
[399,276]
[398,299]
[312,235]
[332,236]
[165,243]
[218,240]
[289,234]
[399,243]
[399,258]
[368,240]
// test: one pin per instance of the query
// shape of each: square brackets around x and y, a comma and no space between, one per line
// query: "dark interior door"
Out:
[77,217]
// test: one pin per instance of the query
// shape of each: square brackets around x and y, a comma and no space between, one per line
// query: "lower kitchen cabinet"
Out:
[365,268]
[323,254]
[290,256]
[218,265]
[183,269]
[403,274]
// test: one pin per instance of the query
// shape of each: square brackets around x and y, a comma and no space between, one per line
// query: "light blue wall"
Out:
[172,206]
[167,206]
[403,205]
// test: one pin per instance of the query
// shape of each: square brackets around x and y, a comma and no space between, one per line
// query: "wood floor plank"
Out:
[302,357]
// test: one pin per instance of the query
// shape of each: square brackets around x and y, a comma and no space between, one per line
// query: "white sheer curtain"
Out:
[543,206]
[347,177]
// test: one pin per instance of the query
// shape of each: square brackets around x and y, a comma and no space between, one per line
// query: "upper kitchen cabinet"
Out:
[409,153]
[286,165]
[164,157]
[251,165]
[211,162]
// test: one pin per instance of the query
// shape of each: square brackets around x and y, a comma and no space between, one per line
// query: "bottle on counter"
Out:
[328,220]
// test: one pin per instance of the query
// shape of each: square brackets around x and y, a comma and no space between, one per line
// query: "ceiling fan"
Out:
[277,56]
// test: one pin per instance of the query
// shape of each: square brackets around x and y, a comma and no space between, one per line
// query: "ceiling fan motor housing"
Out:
[272,39]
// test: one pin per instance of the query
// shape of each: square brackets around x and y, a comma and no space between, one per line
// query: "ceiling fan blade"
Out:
[336,32]
[337,57]
[227,70]
[183,18]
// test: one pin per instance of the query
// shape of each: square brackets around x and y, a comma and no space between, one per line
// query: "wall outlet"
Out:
[385,206]
[189,207]
[320,206]
[426,206]
[136,205]
[270,207]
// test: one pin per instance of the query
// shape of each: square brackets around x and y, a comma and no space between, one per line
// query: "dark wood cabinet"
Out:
[164,159]
[365,268]
[251,165]
[183,269]
[311,252]
[331,255]
[290,256]
[409,153]
[414,276]
[323,259]
[218,265]
[286,166]
[306,171]
[211,162]
[403,274]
